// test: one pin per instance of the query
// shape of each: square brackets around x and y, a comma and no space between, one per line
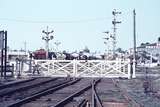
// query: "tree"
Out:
[158,39]
[147,43]
[120,50]
[142,44]
[86,50]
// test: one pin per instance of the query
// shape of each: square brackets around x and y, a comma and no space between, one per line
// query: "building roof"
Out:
[152,45]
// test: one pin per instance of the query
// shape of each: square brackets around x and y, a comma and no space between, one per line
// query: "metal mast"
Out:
[47,38]
[134,34]
[134,43]
[114,22]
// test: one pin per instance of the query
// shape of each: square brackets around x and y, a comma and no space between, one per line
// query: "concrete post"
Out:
[134,69]
[30,65]
[74,68]
[129,69]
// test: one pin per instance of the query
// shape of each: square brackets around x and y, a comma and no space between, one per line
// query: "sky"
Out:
[78,23]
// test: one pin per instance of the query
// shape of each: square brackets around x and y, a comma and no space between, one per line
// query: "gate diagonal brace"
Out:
[116,69]
[89,68]
[81,68]
[63,68]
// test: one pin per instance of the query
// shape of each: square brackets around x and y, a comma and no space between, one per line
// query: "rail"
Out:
[83,103]
[15,83]
[69,98]
[95,97]
[23,88]
[126,95]
[43,92]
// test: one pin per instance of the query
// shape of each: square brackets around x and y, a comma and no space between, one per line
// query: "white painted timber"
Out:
[85,68]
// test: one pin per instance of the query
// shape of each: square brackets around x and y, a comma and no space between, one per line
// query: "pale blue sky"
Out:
[78,23]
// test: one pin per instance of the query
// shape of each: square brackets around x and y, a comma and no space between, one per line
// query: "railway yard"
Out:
[81,92]
[94,55]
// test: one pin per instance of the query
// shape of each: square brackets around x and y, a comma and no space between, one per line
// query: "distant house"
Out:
[153,48]
[150,48]
[148,52]
[12,55]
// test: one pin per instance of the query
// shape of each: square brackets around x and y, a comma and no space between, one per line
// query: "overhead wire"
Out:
[56,21]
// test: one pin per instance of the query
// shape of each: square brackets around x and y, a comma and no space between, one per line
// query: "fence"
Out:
[85,68]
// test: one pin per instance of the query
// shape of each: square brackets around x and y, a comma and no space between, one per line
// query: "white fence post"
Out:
[53,65]
[102,68]
[48,66]
[129,69]
[74,68]
[134,69]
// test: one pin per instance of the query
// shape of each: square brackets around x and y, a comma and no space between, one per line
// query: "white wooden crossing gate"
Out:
[85,68]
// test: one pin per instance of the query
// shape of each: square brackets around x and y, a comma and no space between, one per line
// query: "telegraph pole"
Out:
[5,56]
[134,44]
[47,38]
[3,47]
[114,22]
[57,43]
[2,51]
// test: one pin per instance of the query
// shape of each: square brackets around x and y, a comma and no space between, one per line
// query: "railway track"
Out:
[22,92]
[77,99]
[74,88]
[75,93]
[128,98]
[44,92]
[113,95]
[22,87]
[15,83]
[107,93]
[136,91]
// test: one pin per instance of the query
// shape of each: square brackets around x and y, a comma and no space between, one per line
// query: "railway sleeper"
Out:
[43,93]
[70,98]
[15,83]
[25,87]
